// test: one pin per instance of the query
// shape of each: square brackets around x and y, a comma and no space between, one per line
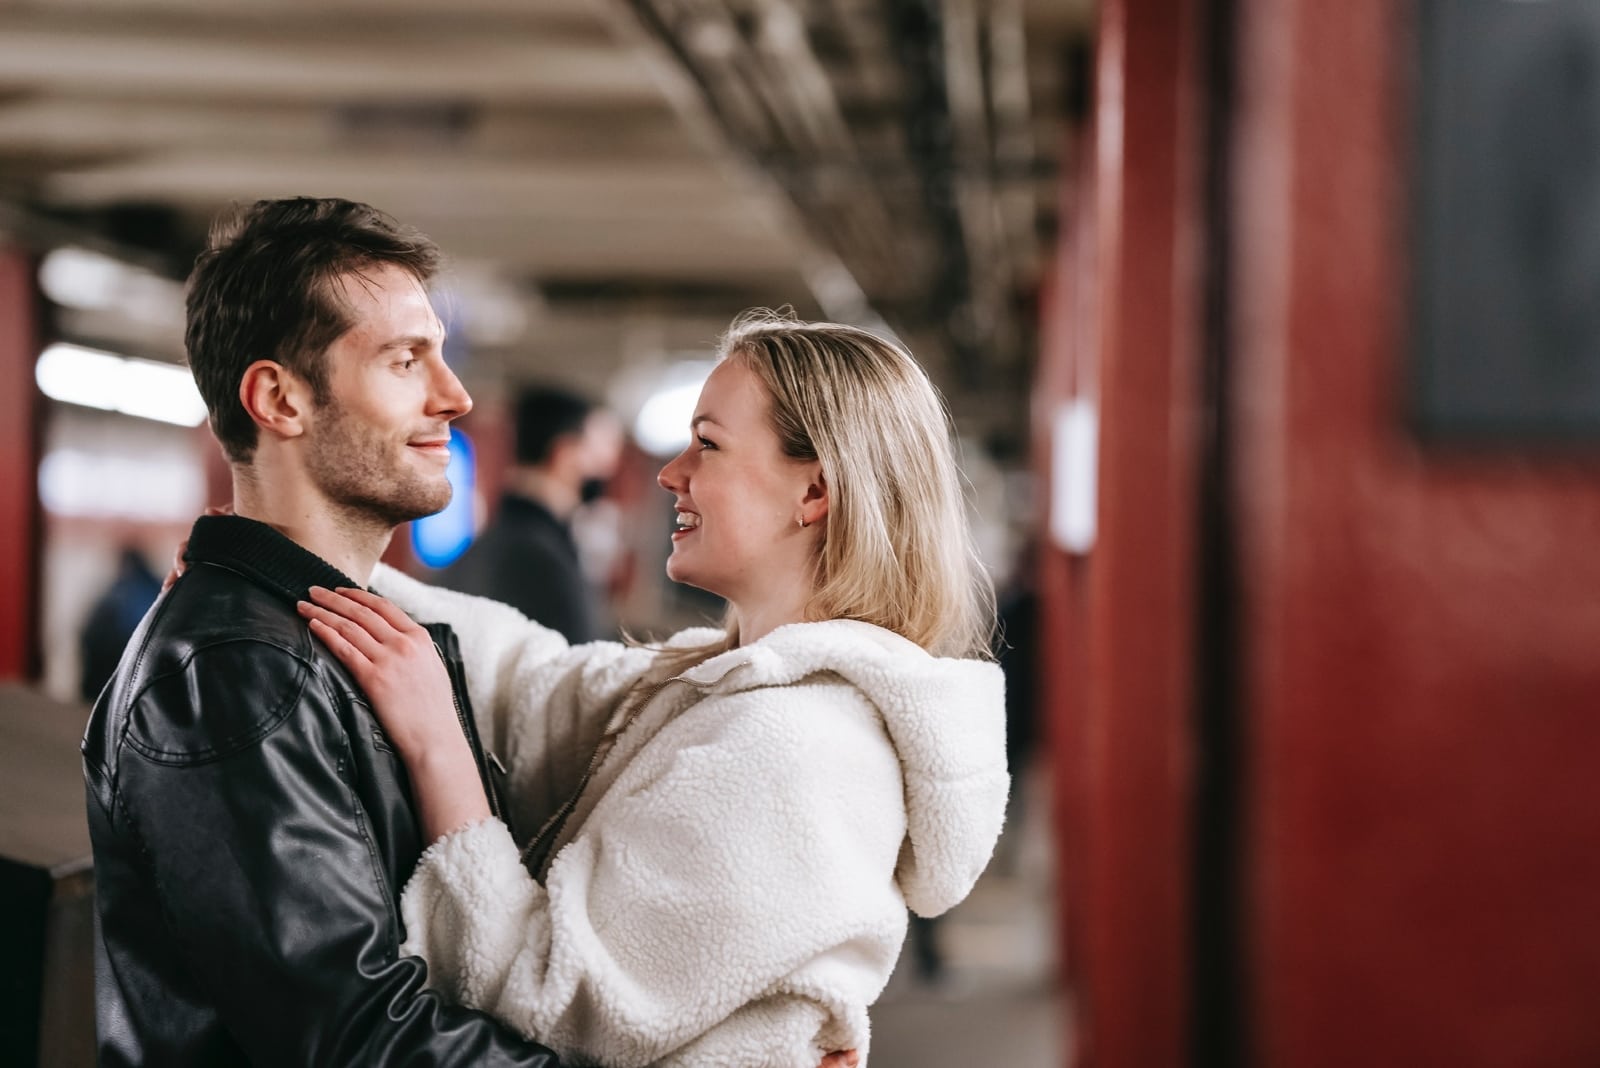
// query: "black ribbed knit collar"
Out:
[262,554]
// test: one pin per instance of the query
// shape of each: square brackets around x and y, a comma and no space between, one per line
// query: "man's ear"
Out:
[814,505]
[276,398]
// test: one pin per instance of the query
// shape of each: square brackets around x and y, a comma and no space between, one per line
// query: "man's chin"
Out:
[404,508]
[423,508]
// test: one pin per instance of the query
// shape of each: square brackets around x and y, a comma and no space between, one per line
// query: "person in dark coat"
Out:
[526,556]
[113,619]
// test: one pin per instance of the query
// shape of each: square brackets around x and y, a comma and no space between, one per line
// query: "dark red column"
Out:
[21,408]
[1124,333]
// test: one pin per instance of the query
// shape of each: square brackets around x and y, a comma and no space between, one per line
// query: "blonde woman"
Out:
[731,825]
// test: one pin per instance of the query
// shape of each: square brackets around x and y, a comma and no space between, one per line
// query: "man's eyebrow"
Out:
[414,341]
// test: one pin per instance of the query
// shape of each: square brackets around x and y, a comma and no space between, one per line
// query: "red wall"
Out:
[1421,629]
[20,407]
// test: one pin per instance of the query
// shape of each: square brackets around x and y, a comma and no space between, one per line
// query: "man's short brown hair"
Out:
[264,290]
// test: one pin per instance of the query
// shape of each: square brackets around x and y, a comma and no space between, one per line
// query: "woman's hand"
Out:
[395,661]
[399,668]
[179,565]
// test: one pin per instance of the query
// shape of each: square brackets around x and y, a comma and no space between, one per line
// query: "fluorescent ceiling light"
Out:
[93,484]
[91,281]
[74,374]
[662,426]
[81,278]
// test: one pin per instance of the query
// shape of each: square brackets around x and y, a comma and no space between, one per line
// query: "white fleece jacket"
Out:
[732,886]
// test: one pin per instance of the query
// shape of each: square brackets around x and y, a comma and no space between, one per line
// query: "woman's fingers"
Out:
[395,663]
[385,608]
[347,654]
[357,637]
[341,603]
[178,566]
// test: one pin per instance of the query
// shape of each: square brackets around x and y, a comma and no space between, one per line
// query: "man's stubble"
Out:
[362,473]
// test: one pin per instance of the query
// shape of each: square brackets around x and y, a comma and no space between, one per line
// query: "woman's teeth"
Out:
[688,521]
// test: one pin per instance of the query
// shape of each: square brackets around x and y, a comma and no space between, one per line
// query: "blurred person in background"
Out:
[734,822]
[566,450]
[113,619]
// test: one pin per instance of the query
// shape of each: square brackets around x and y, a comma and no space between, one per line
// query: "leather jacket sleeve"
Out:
[268,876]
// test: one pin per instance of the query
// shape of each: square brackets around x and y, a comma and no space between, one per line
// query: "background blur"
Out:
[1271,332]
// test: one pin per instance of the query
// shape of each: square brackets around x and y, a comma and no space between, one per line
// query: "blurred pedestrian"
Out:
[113,619]
[566,449]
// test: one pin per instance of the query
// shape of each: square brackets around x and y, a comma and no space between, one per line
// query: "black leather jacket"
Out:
[252,831]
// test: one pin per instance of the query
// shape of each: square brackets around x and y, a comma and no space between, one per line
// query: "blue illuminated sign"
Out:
[439,538]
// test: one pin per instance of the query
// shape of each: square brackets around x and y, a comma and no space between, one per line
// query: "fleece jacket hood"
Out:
[945,717]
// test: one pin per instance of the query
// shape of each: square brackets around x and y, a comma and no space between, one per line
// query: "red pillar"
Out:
[1121,719]
[21,408]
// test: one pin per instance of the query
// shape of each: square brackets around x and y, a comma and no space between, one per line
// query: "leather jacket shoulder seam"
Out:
[266,726]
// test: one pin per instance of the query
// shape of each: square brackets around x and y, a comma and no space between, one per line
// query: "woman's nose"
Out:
[671,476]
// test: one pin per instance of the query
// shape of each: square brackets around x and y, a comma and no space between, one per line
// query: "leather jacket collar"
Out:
[256,550]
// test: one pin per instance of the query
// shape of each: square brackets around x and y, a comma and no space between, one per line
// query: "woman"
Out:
[734,823]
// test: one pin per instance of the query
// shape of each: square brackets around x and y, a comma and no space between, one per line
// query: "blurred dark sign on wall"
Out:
[1507,198]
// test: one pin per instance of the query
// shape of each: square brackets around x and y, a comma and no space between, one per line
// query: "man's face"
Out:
[601,443]
[379,447]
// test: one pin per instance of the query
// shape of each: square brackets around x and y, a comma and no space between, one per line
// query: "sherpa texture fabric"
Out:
[732,887]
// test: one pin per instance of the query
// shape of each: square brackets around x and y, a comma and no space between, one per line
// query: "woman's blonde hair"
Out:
[897,549]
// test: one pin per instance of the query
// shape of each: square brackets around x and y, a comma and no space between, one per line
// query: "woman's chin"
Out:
[685,576]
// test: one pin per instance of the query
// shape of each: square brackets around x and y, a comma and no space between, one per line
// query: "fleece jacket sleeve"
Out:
[737,874]
[541,703]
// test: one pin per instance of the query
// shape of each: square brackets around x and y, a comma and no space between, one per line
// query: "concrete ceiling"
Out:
[601,164]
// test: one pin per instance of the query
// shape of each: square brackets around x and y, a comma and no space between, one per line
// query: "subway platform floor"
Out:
[998,1001]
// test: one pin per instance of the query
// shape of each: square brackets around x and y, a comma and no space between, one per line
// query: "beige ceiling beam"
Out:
[620,135]
[395,174]
[274,64]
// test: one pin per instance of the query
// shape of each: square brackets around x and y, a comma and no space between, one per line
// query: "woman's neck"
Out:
[757,621]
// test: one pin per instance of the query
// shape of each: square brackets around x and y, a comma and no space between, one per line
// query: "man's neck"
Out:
[348,542]
[546,488]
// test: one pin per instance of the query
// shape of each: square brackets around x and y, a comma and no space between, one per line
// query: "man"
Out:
[566,448]
[252,828]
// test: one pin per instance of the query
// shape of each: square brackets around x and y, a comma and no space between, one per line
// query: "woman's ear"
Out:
[276,398]
[814,505]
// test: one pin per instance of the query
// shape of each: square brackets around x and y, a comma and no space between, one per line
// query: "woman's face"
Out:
[740,499]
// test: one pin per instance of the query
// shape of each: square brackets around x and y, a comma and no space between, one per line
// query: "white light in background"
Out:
[80,278]
[74,374]
[79,482]
[1074,468]
[485,307]
[662,426]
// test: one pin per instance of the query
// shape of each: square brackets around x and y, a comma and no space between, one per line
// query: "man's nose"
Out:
[451,398]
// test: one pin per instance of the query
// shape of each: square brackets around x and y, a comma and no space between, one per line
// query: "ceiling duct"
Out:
[901,131]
